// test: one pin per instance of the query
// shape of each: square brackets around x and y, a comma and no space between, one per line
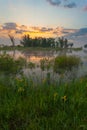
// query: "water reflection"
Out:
[36,56]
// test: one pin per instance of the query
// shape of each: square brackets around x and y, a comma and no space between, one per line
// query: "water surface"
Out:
[37,55]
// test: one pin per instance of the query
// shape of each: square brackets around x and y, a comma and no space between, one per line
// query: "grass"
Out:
[45,105]
[37,48]
[77,49]
[25,48]
[10,65]
[27,106]
[63,63]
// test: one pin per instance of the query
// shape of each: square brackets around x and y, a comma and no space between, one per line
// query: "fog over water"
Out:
[36,56]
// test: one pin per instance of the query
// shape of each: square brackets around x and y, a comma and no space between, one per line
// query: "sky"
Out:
[44,18]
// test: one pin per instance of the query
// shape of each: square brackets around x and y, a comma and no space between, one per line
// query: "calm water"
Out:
[36,56]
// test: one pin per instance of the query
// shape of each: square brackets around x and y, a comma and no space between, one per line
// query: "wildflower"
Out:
[21,89]
[64,98]
[55,96]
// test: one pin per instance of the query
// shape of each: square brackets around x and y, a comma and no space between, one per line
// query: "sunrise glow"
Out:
[42,18]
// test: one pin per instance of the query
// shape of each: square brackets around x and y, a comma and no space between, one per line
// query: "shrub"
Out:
[45,63]
[9,65]
[63,63]
[31,65]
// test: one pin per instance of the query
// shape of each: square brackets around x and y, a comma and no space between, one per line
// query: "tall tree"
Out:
[26,41]
[12,39]
[61,42]
[66,42]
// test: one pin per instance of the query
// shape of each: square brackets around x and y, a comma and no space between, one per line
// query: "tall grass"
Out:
[63,63]
[27,106]
[45,105]
[10,65]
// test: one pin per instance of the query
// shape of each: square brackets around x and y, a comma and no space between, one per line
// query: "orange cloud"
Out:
[19,30]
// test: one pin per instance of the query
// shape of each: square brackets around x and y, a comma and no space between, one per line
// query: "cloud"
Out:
[81,32]
[19,31]
[78,35]
[1,27]
[54,2]
[41,29]
[24,27]
[13,28]
[34,31]
[9,26]
[85,8]
[70,5]
[34,28]
[44,29]
[63,3]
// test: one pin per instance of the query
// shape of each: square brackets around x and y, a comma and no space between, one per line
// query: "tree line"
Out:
[62,42]
[27,41]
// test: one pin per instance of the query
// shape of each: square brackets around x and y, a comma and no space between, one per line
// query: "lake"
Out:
[37,55]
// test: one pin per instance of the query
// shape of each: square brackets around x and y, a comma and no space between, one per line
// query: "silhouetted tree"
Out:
[70,44]
[66,43]
[61,42]
[50,42]
[37,42]
[12,39]
[85,46]
[26,41]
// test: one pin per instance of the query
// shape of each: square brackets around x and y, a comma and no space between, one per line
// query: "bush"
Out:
[45,63]
[63,63]
[9,65]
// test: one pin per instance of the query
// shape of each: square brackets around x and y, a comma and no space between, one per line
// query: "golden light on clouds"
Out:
[18,31]
[39,34]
